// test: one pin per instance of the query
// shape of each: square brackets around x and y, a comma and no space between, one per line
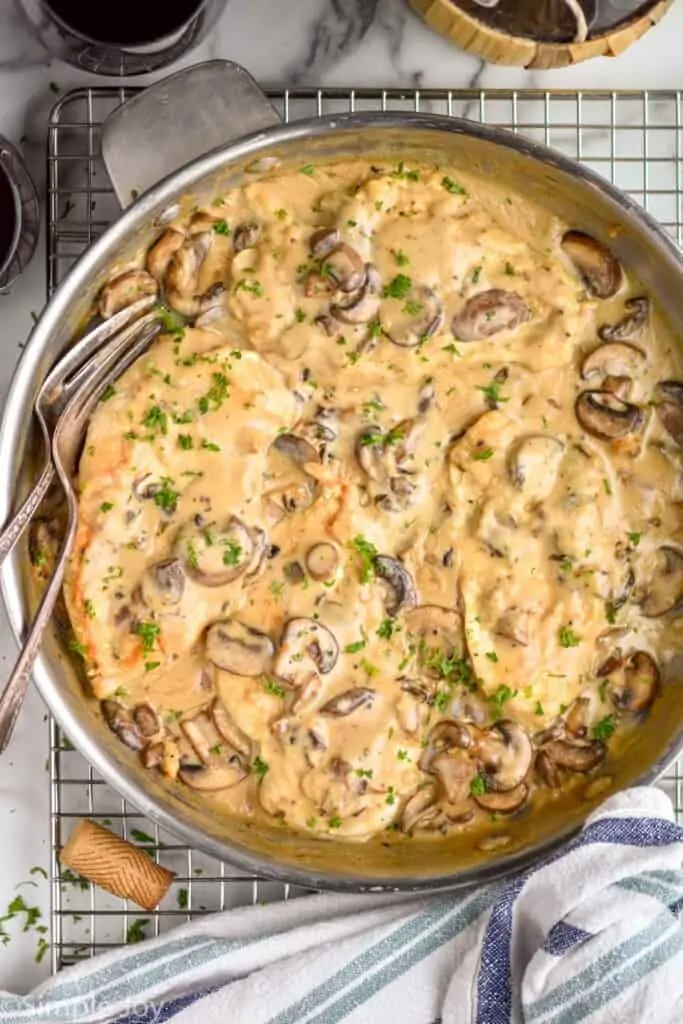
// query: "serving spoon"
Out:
[73,391]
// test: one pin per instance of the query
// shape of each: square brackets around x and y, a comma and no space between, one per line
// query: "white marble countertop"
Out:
[355,42]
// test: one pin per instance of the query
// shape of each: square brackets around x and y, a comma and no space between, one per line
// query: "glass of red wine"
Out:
[19,215]
[121,38]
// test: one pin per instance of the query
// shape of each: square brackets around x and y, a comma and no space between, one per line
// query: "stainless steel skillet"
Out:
[547,178]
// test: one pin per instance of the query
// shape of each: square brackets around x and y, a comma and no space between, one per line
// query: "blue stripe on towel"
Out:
[562,937]
[494,984]
[160,1013]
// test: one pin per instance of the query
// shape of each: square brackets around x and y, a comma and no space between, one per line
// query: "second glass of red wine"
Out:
[121,38]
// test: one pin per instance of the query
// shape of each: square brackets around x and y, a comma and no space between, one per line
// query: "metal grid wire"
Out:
[633,138]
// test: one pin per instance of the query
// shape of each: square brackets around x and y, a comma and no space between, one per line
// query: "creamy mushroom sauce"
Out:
[389,537]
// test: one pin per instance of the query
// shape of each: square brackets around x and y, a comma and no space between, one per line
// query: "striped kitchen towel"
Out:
[591,934]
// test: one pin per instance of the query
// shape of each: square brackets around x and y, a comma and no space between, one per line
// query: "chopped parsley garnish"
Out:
[232,553]
[453,349]
[253,287]
[89,608]
[608,487]
[299,315]
[567,637]
[603,729]
[400,257]
[453,187]
[151,665]
[307,169]
[182,899]
[610,613]
[412,308]
[216,395]
[166,498]
[397,288]
[492,656]
[141,837]
[148,633]
[634,538]
[210,446]
[402,755]
[492,391]
[311,822]
[221,227]
[502,695]
[156,419]
[371,438]
[218,201]
[510,270]
[386,629]
[78,648]
[185,441]
[259,767]
[136,931]
[108,393]
[192,558]
[335,822]
[478,786]
[482,454]
[374,404]
[354,648]
[375,329]
[391,796]
[403,174]
[171,322]
[274,688]
[281,214]
[369,669]
[106,506]
[538,710]
[367,553]
[476,274]
[364,773]
[38,557]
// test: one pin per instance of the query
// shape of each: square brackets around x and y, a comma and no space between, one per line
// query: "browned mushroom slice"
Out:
[203,735]
[670,408]
[423,318]
[664,593]
[162,252]
[323,241]
[575,756]
[163,584]
[488,313]
[359,307]
[615,359]
[229,730]
[146,720]
[399,586]
[124,290]
[607,417]
[214,557]
[220,773]
[181,280]
[306,646]
[631,326]
[534,463]
[121,722]
[296,448]
[455,772]
[322,561]
[635,687]
[416,807]
[235,647]
[448,734]
[597,265]
[246,235]
[283,501]
[515,625]
[504,753]
[440,631]
[213,304]
[346,703]
[152,755]
[547,769]
[577,717]
[259,552]
[504,803]
[346,268]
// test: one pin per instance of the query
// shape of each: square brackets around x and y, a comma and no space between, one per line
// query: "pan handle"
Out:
[179,119]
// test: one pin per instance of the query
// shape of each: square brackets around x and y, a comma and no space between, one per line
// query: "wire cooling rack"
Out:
[633,138]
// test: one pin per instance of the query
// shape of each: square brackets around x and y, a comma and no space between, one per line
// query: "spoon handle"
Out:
[16,526]
[13,695]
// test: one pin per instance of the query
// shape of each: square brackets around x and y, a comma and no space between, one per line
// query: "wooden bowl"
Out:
[499,47]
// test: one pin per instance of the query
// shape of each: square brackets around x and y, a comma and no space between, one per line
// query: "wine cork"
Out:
[115,865]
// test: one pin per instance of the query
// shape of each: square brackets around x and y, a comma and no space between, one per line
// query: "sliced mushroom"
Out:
[575,756]
[547,769]
[534,463]
[121,722]
[515,625]
[401,593]
[220,773]
[214,557]
[323,241]
[322,561]
[282,501]
[504,803]
[504,753]
[607,417]
[202,734]
[455,772]
[296,448]
[238,648]
[425,321]
[346,268]
[664,592]
[670,408]
[577,717]
[631,326]
[146,720]
[369,451]
[306,646]
[181,280]
[416,807]
[597,266]
[124,290]
[615,359]
[636,685]
[213,304]
[439,629]
[448,734]
[349,701]
[161,253]
[164,584]
[359,307]
[260,550]
[318,434]
[488,313]
[152,755]
[246,235]
[229,730]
